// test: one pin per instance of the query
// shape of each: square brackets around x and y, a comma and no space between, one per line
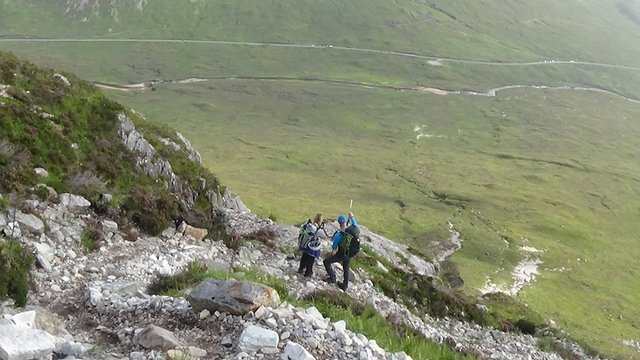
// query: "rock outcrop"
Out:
[149,161]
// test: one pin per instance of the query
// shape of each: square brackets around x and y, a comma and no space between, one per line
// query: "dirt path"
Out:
[150,85]
[433,59]
[123,87]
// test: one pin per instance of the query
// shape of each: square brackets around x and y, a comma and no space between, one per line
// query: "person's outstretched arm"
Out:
[353,219]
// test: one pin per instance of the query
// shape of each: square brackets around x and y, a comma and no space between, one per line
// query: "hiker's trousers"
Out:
[341,258]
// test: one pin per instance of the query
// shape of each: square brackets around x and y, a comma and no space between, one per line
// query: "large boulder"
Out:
[109,226]
[74,202]
[122,288]
[23,343]
[233,297]
[30,222]
[193,154]
[72,349]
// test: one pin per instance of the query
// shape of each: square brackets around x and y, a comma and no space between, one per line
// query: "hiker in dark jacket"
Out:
[339,255]
[311,252]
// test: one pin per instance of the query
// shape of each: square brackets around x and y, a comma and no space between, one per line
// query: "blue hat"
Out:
[342,219]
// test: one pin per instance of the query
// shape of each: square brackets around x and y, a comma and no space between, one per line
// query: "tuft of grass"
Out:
[91,239]
[173,285]
[42,193]
[15,263]
[93,235]
[273,217]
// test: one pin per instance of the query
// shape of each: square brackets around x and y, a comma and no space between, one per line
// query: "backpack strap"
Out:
[321,227]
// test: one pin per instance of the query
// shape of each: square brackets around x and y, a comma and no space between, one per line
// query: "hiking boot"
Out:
[308,275]
[300,271]
[342,287]
[330,280]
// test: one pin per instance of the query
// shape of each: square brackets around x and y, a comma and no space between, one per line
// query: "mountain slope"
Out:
[96,286]
[62,124]
[518,157]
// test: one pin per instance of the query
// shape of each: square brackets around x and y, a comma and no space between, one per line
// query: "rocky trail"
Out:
[96,305]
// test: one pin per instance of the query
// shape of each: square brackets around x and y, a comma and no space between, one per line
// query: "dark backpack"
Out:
[350,244]
[307,233]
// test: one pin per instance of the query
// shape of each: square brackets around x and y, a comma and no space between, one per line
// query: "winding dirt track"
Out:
[150,85]
[313,46]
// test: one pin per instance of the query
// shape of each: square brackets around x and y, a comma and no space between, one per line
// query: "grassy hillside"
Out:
[62,124]
[552,169]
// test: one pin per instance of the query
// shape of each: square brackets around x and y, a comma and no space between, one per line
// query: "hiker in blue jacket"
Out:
[339,255]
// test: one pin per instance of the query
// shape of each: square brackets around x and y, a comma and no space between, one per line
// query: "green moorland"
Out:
[556,170]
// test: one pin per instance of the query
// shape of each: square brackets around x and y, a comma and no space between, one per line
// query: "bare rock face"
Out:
[149,161]
[63,79]
[232,296]
[227,200]
[193,154]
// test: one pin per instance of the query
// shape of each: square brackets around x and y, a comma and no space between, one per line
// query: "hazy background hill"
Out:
[480,30]
[552,169]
